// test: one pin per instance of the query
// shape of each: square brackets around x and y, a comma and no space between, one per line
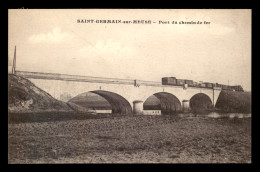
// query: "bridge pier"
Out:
[138,107]
[185,105]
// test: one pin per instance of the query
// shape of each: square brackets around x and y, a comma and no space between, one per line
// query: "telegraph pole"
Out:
[14,61]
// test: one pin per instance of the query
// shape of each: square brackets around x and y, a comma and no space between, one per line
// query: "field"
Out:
[131,139]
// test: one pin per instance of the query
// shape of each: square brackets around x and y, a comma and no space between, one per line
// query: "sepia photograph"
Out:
[129,86]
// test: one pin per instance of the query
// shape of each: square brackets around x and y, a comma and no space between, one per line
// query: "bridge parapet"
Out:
[65,77]
[78,78]
[54,76]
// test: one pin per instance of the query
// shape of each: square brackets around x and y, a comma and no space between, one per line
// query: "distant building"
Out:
[152,112]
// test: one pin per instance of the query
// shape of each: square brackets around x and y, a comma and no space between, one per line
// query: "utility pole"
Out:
[14,61]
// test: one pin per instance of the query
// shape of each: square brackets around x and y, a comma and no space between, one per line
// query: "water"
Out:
[218,115]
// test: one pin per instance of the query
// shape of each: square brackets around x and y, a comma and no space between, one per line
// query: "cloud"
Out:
[107,48]
[55,36]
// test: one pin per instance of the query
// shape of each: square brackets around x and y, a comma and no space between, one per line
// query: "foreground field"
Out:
[132,139]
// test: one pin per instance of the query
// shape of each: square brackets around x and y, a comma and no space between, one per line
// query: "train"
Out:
[185,82]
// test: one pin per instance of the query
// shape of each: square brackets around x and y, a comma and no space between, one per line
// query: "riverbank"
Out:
[66,116]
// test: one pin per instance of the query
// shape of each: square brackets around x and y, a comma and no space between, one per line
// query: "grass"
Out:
[131,139]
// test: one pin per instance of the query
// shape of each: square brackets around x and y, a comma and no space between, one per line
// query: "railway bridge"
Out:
[124,95]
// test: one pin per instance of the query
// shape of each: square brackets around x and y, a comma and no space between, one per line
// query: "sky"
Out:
[52,41]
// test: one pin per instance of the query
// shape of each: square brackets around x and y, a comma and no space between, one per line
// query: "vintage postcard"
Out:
[129,86]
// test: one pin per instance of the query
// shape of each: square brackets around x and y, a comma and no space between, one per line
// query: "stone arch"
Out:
[169,103]
[200,102]
[118,103]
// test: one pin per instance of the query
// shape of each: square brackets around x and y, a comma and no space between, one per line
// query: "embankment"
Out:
[25,97]
[234,102]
